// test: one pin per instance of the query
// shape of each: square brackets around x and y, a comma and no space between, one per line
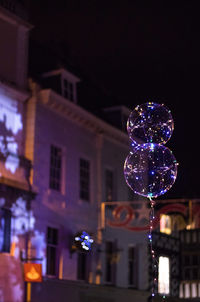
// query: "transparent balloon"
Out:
[150,123]
[150,169]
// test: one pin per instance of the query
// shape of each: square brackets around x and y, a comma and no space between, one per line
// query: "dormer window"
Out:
[63,82]
[117,116]
[68,90]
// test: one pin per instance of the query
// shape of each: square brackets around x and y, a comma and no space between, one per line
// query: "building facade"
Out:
[90,186]
[78,163]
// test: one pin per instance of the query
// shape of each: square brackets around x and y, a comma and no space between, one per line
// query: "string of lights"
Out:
[154,261]
[152,252]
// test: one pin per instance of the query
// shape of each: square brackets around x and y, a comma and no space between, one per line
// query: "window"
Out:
[109,185]
[5,230]
[187,274]
[186,260]
[68,90]
[195,274]
[195,259]
[189,290]
[52,244]
[55,168]
[81,266]
[163,275]
[132,266]
[110,262]
[165,224]
[84,179]
[190,269]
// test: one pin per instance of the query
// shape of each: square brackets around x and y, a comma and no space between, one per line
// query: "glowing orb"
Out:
[150,123]
[150,169]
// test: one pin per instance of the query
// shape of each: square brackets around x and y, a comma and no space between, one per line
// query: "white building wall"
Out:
[113,157]
[124,239]
[63,210]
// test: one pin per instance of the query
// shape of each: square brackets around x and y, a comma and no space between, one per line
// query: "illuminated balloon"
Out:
[150,169]
[150,123]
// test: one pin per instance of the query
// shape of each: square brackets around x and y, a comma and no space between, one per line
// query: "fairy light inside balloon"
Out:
[150,122]
[150,169]
[84,240]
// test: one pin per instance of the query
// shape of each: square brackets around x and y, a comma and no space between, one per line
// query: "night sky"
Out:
[135,51]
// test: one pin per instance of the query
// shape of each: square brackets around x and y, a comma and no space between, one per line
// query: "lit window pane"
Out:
[165,224]
[181,291]
[163,275]
[187,290]
[194,290]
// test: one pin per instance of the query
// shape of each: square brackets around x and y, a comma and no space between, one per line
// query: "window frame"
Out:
[6,231]
[54,246]
[134,262]
[68,89]
[83,182]
[109,264]
[190,267]
[56,180]
[82,272]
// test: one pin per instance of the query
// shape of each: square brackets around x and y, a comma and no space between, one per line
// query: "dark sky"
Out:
[136,51]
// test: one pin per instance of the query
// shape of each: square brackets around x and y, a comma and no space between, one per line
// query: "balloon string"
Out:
[153,255]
